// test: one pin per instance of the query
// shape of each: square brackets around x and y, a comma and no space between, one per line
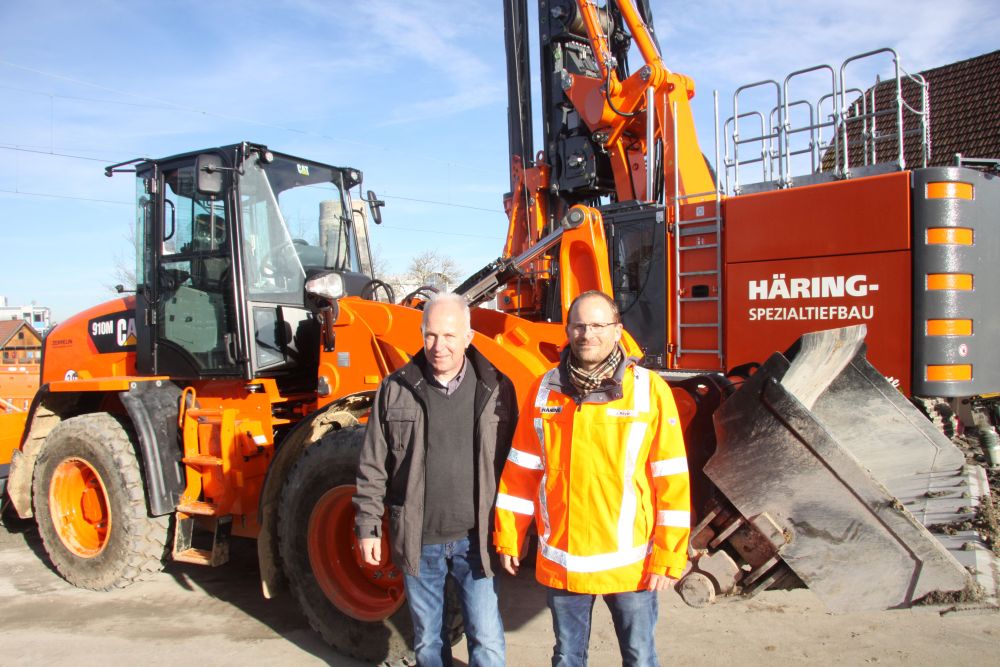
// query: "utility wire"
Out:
[52,196]
[167,105]
[41,152]
[441,203]
[395,227]
[106,161]
[435,231]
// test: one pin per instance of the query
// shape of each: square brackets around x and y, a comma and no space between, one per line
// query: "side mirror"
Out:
[209,169]
[375,206]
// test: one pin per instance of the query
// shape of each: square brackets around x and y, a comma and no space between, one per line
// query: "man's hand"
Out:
[371,549]
[510,563]
[659,582]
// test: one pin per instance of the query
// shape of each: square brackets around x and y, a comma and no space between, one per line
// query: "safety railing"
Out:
[816,126]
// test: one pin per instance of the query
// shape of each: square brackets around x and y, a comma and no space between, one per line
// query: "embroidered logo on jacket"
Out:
[551,409]
[612,412]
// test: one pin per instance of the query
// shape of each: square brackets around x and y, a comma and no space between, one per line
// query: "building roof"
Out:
[964,109]
[8,329]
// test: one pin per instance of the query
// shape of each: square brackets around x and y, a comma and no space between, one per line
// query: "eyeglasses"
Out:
[580,328]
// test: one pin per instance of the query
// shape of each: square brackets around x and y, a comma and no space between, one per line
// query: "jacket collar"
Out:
[611,390]
[486,374]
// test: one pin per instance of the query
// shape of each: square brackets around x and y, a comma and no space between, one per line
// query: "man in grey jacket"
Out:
[437,438]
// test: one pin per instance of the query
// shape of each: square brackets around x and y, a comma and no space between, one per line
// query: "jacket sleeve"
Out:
[671,486]
[372,473]
[518,489]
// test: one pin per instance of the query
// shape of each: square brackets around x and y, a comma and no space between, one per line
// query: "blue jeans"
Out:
[478,593]
[634,615]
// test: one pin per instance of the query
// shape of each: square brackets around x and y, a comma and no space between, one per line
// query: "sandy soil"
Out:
[218,617]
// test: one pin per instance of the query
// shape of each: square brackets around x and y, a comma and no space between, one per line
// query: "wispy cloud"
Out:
[438,44]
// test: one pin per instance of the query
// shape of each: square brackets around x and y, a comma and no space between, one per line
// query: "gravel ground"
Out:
[218,617]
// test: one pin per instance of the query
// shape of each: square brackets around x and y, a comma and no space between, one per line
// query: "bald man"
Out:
[439,432]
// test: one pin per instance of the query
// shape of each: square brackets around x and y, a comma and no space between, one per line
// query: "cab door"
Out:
[192,305]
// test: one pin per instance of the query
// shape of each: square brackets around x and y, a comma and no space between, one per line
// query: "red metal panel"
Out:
[861,215]
[771,303]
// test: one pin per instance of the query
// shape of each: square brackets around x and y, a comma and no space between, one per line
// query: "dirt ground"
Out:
[218,617]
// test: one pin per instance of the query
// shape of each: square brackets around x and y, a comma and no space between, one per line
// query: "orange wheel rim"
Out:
[361,591]
[78,502]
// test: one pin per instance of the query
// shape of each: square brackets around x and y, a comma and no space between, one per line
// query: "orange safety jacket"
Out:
[605,479]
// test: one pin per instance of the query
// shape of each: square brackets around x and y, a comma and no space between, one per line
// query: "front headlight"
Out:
[328,286]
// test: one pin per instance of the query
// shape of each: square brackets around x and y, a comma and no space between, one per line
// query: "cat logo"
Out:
[115,332]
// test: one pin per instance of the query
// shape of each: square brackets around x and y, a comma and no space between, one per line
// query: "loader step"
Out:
[202,540]
[202,460]
[194,556]
[197,508]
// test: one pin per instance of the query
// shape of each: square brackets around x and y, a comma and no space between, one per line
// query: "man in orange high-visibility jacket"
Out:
[598,462]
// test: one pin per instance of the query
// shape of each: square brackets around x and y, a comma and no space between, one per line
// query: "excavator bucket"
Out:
[846,474]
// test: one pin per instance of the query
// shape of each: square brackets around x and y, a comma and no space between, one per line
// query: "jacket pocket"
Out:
[400,427]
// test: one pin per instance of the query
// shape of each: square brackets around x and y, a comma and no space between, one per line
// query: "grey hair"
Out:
[447,297]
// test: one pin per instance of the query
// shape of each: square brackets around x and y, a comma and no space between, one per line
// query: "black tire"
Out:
[326,465]
[134,546]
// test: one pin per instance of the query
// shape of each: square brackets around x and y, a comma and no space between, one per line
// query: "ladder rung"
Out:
[683,351]
[698,273]
[698,247]
[697,299]
[707,325]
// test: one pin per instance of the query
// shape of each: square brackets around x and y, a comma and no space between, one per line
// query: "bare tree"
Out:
[123,272]
[433,268]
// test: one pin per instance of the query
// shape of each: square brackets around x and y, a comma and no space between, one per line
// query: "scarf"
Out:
[587,381]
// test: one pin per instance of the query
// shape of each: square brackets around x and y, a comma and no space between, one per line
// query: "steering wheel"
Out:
[372,287]
[424,293]
[268,261]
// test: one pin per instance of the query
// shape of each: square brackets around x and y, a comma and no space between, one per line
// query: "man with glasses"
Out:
[599,465]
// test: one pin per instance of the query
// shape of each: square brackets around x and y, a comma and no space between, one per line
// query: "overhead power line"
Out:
[166,105]
[22,149]
[441,203]
[129,203]
[437,231]
[54,196]
[109,160]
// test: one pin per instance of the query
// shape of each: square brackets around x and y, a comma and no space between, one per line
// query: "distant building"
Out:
[38,317]
[20,345]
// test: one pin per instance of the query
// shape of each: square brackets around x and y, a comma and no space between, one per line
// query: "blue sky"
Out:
[411,92]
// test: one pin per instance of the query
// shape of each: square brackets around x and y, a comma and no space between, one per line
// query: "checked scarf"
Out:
[587,381]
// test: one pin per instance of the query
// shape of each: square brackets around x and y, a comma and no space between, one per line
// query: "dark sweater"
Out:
[449,494]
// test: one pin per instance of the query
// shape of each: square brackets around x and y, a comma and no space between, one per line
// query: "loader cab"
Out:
[228,238]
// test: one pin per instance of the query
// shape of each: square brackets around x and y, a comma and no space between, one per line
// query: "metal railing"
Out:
[846,130]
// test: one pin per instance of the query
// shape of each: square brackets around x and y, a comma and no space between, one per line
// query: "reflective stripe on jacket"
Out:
[605,480]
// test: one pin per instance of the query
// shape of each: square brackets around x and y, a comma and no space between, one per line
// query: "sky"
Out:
[411,92]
